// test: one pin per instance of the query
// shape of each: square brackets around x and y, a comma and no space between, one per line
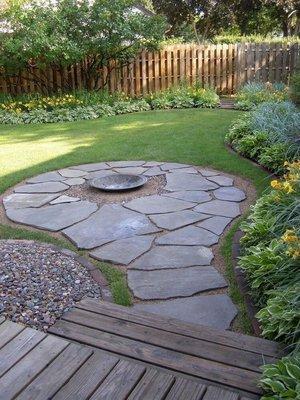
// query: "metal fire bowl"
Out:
[118,182]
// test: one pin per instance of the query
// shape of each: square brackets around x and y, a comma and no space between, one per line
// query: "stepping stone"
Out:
[123,164]
[216,311]
[230,194]
[53,218]
[168,283]
[180,181]
[92,167]
[111,222]
[45,187]
[74,181]
[155,171]
[153,164]
[64,199]
[123,251]
[131,170]
[195,196]
[20,200]
[219,207]
[216,225]
[71,173]
[99,174]
[221,180]
[46,177]
[169,166]
[187,170]
[161,257]
[188,236]
[157,205]
[207,172]
[177,219]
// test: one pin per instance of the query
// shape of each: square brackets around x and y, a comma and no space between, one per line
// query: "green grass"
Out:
[194,136]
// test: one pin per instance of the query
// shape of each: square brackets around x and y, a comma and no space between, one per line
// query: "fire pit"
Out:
[118,182]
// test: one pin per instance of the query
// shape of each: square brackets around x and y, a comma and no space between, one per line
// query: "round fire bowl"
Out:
[118,182]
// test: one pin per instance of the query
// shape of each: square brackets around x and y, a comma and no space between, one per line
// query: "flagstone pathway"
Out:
[163,239]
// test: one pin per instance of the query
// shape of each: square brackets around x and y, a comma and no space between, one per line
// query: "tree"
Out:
[58,34]
[288,12]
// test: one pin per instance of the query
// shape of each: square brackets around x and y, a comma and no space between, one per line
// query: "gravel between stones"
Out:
[39,283]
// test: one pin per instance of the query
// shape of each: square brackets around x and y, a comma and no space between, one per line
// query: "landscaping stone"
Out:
[64,199]
[24,200]
[216,225]
[177,219]
[168,283]
[155,171]
[219,207]
[92,167]
[53,217]
[130,170]
[161,257]
[45,187]
[74,181]
[188,236]
[169,166]
[186,170]
[46,177]
[71,173]
[207,172]
[157,205]
[230,194]
[221,180]
[195,196]
[99,174]
[216,311]
[180,181]
[111,222]
[123,164]
[123,251]
[153,164]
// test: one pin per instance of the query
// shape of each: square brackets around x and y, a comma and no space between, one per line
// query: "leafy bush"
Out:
[269,134]
[295,86]
[282,380]
[237,38]
[254,93]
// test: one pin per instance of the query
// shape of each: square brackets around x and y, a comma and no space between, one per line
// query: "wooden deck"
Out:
[114,353]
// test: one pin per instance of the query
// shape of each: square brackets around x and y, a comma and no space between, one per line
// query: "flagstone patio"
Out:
[164,239]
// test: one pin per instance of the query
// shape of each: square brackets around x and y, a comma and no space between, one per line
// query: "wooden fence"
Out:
[224,67]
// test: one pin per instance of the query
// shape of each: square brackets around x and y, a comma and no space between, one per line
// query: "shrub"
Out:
[295,86]
[251,145]
[281,380]
[254,93]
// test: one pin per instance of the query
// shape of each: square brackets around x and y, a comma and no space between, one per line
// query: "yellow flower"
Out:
[290,236]
[275,184]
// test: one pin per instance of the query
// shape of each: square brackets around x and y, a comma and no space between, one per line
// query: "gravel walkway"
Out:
[39,283]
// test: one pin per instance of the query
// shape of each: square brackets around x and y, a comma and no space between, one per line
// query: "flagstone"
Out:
[131,170]
[74,181]
[91,167]
[188,236]
[216,225]
[168,283]
[72,173]
[208,172]
[178,219]
[44,187]
[53,176]
[230,194]
[181,181]
[169,166]
[121,164]
[64,199]
[154,171]
[24,200]
[156,204]
[161,257]
[195,196]
[219,207]
[221,180]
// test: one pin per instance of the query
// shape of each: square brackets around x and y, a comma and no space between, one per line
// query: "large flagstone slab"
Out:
[216,225]
[157,204]
[168,283]
[208,172]
[181,181]
[121,164]
[45,187]
[99,174]
[123,251]
[173,165]
[229,194]
[154,171]
[54,217]
[219,207]
[131,170]
[178,219]
[216,311]
[91,167]
[221,180]
[72,173]
[64,199]
[24,200]
[161,257]
[111,222]
[53,176]
[194,196]
[188,236]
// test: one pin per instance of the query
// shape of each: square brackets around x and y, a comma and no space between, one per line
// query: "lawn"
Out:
[194,136]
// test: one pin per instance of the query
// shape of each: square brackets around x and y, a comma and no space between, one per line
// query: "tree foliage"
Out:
[106,34]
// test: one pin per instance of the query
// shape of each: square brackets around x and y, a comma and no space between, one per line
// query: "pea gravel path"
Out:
[164,236]
[39,283]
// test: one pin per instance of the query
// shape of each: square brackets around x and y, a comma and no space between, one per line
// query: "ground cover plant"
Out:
[271,260]
[254,93]
[82,105]
[269,134]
